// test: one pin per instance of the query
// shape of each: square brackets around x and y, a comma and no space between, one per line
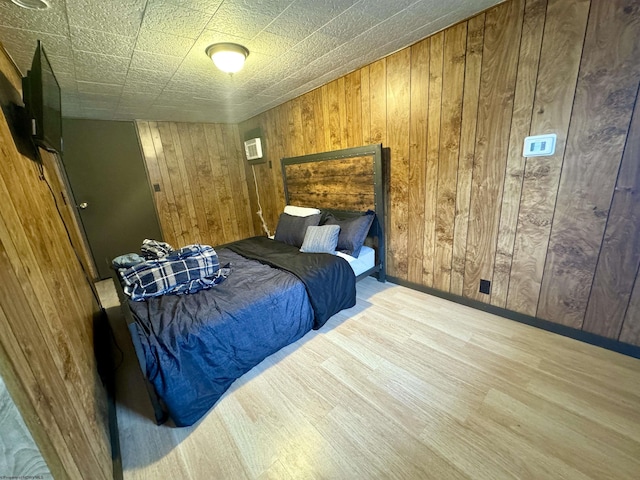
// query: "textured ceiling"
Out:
[144,59]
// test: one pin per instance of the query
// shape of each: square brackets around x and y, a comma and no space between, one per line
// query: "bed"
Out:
[191,348]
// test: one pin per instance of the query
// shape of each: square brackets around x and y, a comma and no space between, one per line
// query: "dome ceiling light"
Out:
[228,57]
[33,4]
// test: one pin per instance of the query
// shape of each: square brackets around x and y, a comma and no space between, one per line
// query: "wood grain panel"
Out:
[398,112]
[499,66]
[619,257]
[630,332]
[36,412]
[528,63]
[345,184]
[192,231]
[199,168]
[197,183]
[155,178]
[201,164]
[238,172]
[232,169]
[320,121]
[330,129]
[68,352]
[378,101]
[47,312]
[454,50]
[473,68]
[73,352]
[355,166]
[559,62]
[605,95]
[353,112]
[417,157]
[221,179]
[343,201]
[330,184]
[275,167]
[173,178]
[39,355]
[433,150]
[294,140]
[308,124]
[175,235]
[365,89]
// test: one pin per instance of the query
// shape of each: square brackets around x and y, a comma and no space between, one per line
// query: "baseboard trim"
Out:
[581,335]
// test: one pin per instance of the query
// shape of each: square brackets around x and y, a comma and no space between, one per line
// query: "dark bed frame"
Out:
[375,238]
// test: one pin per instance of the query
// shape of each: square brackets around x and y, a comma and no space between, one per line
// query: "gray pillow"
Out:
[353,232]
[322,239]
[291,229]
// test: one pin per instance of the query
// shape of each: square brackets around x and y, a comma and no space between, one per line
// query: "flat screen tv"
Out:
[41,95]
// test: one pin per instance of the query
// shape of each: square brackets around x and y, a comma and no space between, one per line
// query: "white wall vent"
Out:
[253,149]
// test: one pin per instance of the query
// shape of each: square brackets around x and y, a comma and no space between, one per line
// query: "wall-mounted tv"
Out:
[41,95]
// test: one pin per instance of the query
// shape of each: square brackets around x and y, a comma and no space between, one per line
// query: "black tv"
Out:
[41,96]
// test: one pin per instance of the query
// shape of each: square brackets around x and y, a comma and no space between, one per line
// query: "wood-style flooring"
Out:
[404,385]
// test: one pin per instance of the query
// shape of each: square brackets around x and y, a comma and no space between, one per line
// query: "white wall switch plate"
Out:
[539,145]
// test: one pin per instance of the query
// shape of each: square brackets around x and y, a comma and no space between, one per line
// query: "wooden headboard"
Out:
[346,182]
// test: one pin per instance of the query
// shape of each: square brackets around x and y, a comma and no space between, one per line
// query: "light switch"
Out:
[539,145]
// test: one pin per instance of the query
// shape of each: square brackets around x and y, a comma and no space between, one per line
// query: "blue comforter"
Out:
[193,347]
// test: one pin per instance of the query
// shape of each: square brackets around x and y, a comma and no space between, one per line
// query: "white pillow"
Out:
[300,211]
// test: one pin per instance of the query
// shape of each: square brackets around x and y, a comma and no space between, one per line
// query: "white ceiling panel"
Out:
[349,24]
[127,59]
[173,18]
[101,88]
[159,77]
[53,20]
[25,40]
[122,17]
[87,40]
[164,43]
[384,10]
[154,61]
[207,6]
[239,21]
[132,87]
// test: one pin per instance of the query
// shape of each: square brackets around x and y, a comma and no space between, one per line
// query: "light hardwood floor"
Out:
[404,385]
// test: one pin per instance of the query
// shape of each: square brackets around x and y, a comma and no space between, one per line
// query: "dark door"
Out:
[109,182]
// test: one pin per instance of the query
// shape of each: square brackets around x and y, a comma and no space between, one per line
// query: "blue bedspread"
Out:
[195,346]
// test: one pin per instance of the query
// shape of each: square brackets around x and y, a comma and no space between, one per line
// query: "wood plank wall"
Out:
[199,181]
[557,236]
[47,311]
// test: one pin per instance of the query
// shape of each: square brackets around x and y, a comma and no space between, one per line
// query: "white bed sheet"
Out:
[365,261]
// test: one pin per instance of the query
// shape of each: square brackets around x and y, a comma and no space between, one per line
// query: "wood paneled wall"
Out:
[557,236]
[199,181]
[47,311]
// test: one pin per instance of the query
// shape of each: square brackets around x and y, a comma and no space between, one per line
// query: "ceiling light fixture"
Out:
[33,4]
[228,57]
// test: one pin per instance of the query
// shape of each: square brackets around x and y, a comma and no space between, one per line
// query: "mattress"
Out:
[364,261]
